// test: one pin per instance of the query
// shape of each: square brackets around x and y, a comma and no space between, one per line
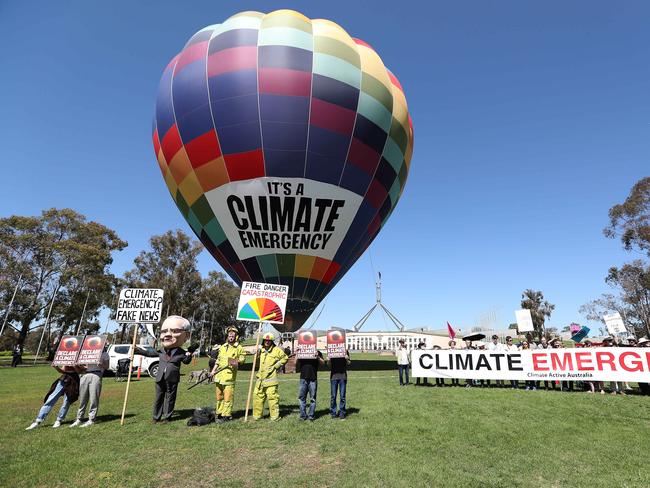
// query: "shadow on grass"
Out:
[112,418]
[373,365]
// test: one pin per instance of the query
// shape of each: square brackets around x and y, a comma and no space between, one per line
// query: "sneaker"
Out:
[56,424]
[33,425]
[76,423]
[88,423]
[342,417]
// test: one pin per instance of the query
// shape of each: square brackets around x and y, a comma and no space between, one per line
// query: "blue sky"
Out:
[531,121]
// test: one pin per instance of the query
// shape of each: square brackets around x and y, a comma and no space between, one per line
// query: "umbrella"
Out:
[474,337]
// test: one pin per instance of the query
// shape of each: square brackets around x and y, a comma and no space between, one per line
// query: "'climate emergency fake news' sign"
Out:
[594,364]
[139,306]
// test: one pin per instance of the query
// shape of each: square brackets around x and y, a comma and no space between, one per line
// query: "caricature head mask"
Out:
[174,331]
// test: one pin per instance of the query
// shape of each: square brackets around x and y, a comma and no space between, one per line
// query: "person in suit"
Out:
[174,332]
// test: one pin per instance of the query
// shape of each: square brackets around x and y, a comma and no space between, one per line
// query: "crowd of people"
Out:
[84,383]
[403,357]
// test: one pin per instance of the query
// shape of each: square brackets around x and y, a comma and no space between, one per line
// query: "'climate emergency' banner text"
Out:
[597,364]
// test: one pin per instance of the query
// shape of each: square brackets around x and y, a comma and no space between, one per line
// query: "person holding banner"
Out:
[425,381]
[510,347]
[174,331]
[66,386]
[224,372]
[90,388]
[270,359]
[452,346]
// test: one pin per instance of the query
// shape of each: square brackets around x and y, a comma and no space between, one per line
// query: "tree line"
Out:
[55,273]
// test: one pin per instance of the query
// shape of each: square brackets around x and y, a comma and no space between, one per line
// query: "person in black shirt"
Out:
[308,383]
[338,384]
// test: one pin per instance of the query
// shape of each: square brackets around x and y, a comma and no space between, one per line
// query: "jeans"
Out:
[58,392]
[310,386]
[340,387]
[403,368]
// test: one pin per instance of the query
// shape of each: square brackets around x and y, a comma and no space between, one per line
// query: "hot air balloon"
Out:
[286,145]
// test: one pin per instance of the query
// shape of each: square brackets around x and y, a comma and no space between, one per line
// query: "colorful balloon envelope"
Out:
[286,145]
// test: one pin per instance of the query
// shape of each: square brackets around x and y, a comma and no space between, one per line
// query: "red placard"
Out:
[335,344]
[306,345]
[66,354]
[91,350]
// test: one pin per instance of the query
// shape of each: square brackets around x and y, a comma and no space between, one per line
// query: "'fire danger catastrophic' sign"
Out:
[262,302]
[139,306]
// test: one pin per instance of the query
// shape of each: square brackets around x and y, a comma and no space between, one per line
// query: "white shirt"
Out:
[402,355]
[495,347]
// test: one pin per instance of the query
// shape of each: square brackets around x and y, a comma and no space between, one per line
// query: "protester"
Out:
[511,347]
[425,380]
[270,358]
[590,384]
[308,369]
[469,347]
[403,358]
[224,373]
[615,386]
[173,333]
[16,356]
[90,389]
[454,381]
[338,384]
[495,346]
[66,386]
[530,385]
[543,344]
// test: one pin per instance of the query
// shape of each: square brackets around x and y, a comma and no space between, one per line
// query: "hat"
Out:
[232,328]
[402,341]
[268,337]
[643,340]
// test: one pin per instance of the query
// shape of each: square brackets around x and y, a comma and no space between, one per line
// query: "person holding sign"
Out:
[174,332]
[338,384]
[66,386]
[270,359]
[229,356]
[90,388]
[308,369]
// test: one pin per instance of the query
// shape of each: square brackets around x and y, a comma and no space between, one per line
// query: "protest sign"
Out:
[262,302]
[68,350]
[91,350]
[591,364]
[335,344]
[581,334]
[139,306]
[306,348]
[524,320]
[614,323]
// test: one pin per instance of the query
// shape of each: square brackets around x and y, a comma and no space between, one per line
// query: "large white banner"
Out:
[284,216]
[578,364]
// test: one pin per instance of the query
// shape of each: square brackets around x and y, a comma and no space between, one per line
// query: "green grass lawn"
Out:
[393,437]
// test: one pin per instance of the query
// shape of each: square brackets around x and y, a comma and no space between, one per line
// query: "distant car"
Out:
[145,356]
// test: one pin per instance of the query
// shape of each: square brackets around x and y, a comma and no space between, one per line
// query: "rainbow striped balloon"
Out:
[286,145]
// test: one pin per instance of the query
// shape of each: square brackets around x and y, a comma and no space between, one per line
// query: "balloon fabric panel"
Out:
[292,102]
